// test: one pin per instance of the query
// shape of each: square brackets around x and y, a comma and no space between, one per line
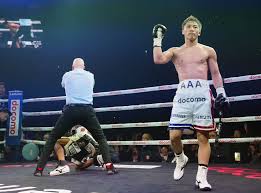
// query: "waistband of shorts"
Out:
[193,83]
[78,105]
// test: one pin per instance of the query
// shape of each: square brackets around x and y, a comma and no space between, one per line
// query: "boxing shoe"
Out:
[203,185]
[201,179]
[109,167]
[181,162]
[99,160]
[59,170]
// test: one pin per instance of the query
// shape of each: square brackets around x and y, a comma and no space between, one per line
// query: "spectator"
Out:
[218,150]
[149,153]
[191,152]
[2,94]
[254,154]
[135,154]
[115,154]
[165,154]
[238,151]
[212,135]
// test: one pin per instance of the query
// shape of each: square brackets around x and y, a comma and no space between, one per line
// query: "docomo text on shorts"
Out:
[191,100]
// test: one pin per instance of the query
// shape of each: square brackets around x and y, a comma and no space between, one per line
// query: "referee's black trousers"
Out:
[75,114]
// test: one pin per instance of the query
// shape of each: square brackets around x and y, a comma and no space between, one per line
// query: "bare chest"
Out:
[190,56]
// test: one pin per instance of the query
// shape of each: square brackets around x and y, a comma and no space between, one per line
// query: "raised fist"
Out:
[158,31]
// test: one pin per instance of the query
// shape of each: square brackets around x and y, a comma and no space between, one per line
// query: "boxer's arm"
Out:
[214,69]
[63,141]
[221,101]
[162,57]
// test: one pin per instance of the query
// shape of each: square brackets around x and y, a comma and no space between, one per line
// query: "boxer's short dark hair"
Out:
[192,18]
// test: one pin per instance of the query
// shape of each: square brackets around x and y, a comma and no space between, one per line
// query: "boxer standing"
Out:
[192,104]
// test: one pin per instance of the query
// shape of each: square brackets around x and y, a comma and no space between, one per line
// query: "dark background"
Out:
[114,38]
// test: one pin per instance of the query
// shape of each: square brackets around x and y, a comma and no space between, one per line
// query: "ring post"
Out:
[14,126]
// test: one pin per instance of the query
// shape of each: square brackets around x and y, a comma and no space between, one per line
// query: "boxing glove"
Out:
[158,33]
[221,101]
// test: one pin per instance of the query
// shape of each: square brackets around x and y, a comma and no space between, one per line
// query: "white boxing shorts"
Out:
[193,106]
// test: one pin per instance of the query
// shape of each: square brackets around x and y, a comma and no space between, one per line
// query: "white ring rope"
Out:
[185,141]
[147,124]
[141,106]
[141,90]
[167,142]
[244,97]
[3,100]
[151,124]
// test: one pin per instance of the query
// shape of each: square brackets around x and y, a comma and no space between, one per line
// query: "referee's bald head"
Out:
[78,63]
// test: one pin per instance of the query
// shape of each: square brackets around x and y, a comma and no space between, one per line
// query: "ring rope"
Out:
[166,142]
[147,124]
[151,124]
[141,90]
[141,106]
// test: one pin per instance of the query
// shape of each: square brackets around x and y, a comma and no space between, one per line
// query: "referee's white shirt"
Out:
[78,85]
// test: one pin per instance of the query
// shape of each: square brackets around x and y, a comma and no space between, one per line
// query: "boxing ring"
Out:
[154,177]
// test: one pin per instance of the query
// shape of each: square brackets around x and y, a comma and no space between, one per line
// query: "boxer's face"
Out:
[3,116]
[191,30]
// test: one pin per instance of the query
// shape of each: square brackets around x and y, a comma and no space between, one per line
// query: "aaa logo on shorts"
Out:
[190,84]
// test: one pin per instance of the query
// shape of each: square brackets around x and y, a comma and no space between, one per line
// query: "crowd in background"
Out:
[221,152]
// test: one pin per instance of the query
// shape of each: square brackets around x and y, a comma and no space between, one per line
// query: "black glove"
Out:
[221,103]
[158,33]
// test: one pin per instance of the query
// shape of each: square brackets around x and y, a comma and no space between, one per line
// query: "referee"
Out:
[78,85]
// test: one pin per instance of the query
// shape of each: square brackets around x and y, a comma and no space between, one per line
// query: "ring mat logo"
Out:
[19,189]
